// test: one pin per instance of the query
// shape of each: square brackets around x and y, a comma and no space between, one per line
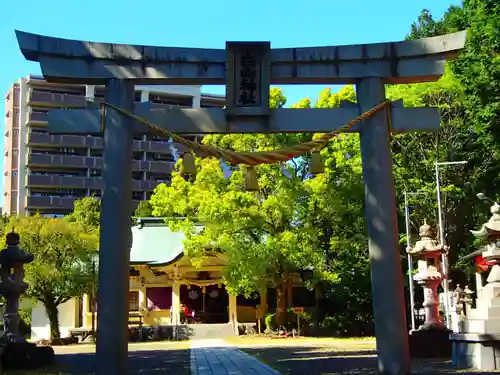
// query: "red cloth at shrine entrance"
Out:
[482,265]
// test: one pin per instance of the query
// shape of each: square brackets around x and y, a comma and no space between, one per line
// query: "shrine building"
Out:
[166,289]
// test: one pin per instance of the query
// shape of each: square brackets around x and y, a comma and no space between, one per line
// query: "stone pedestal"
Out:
[431,342]
[478,343]
[23,355]
[478,346]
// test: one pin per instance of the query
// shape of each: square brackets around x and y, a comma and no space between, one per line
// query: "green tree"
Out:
[62,268]
[144,209]
[292,223]
[471,111]
[259,231]
[86,213]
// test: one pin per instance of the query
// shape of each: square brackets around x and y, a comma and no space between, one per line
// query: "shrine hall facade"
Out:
[166,289]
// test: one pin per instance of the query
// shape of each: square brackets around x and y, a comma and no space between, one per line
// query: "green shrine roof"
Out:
[154,244]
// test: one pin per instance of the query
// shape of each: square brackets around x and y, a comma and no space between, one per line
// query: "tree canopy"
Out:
[62,267]
[296,221]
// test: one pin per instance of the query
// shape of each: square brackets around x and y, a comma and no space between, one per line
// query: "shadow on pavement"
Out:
[329,361]
[171,362]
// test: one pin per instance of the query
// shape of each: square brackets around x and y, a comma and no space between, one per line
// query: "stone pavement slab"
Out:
[217,357]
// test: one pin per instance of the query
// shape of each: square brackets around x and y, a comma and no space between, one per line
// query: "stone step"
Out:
[207,331]
[184,332]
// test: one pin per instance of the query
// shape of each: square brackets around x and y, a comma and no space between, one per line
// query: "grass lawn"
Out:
[144,358]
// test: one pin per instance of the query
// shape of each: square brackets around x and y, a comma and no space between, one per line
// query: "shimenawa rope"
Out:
[253,158]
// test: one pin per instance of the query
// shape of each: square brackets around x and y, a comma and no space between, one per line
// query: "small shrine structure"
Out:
[478,344]
[431,338]
[172,296]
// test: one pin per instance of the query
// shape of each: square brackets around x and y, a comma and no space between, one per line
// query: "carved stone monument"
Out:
[431,338]
[457,308]
[247,69]
[478,343]
[16,351]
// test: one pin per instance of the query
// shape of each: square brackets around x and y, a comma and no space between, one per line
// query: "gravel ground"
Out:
[302,360]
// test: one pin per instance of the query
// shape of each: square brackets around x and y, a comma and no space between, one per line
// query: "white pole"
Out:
[410,263]
[441,240]
[479,284]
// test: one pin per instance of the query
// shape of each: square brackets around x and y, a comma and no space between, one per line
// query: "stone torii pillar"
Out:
[248,69]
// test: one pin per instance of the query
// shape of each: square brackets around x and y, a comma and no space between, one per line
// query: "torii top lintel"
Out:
[73,61]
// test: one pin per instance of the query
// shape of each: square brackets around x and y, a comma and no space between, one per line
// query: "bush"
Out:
[24,328]
[342,325]
[270,322]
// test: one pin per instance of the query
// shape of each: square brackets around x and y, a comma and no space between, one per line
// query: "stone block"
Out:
[478,351]
[430,343]
[491,326]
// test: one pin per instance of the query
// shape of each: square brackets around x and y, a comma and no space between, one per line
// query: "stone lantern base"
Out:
[430,342]
[25,356]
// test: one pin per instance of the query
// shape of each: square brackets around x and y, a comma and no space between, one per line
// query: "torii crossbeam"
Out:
[247,69]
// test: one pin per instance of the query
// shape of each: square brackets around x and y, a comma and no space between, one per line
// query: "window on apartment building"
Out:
[35,130]
[96,153]
[137,195]
[15,132]
[15,152]
[14,173]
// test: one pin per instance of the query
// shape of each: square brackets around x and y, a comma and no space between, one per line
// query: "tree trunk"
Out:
[53,315]
[280,306]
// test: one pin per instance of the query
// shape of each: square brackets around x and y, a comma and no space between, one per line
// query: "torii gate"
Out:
[248,69]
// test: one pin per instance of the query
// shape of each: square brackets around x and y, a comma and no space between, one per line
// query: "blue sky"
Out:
[205,24]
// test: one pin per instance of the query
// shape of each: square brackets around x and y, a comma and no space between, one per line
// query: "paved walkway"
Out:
[216,357]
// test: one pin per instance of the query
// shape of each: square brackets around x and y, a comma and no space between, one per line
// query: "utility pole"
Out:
[441,236]
[410,260]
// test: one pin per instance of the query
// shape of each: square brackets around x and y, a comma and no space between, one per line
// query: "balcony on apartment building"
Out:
[78,182]
[56,203]
[59,203]
[68,141]
[75,161]
[35,117]
[55,99]
[79,141]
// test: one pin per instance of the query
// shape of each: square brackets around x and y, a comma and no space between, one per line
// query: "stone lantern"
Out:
[15,351]
[428,253]
[12,285]
[431,338]
[490,232]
